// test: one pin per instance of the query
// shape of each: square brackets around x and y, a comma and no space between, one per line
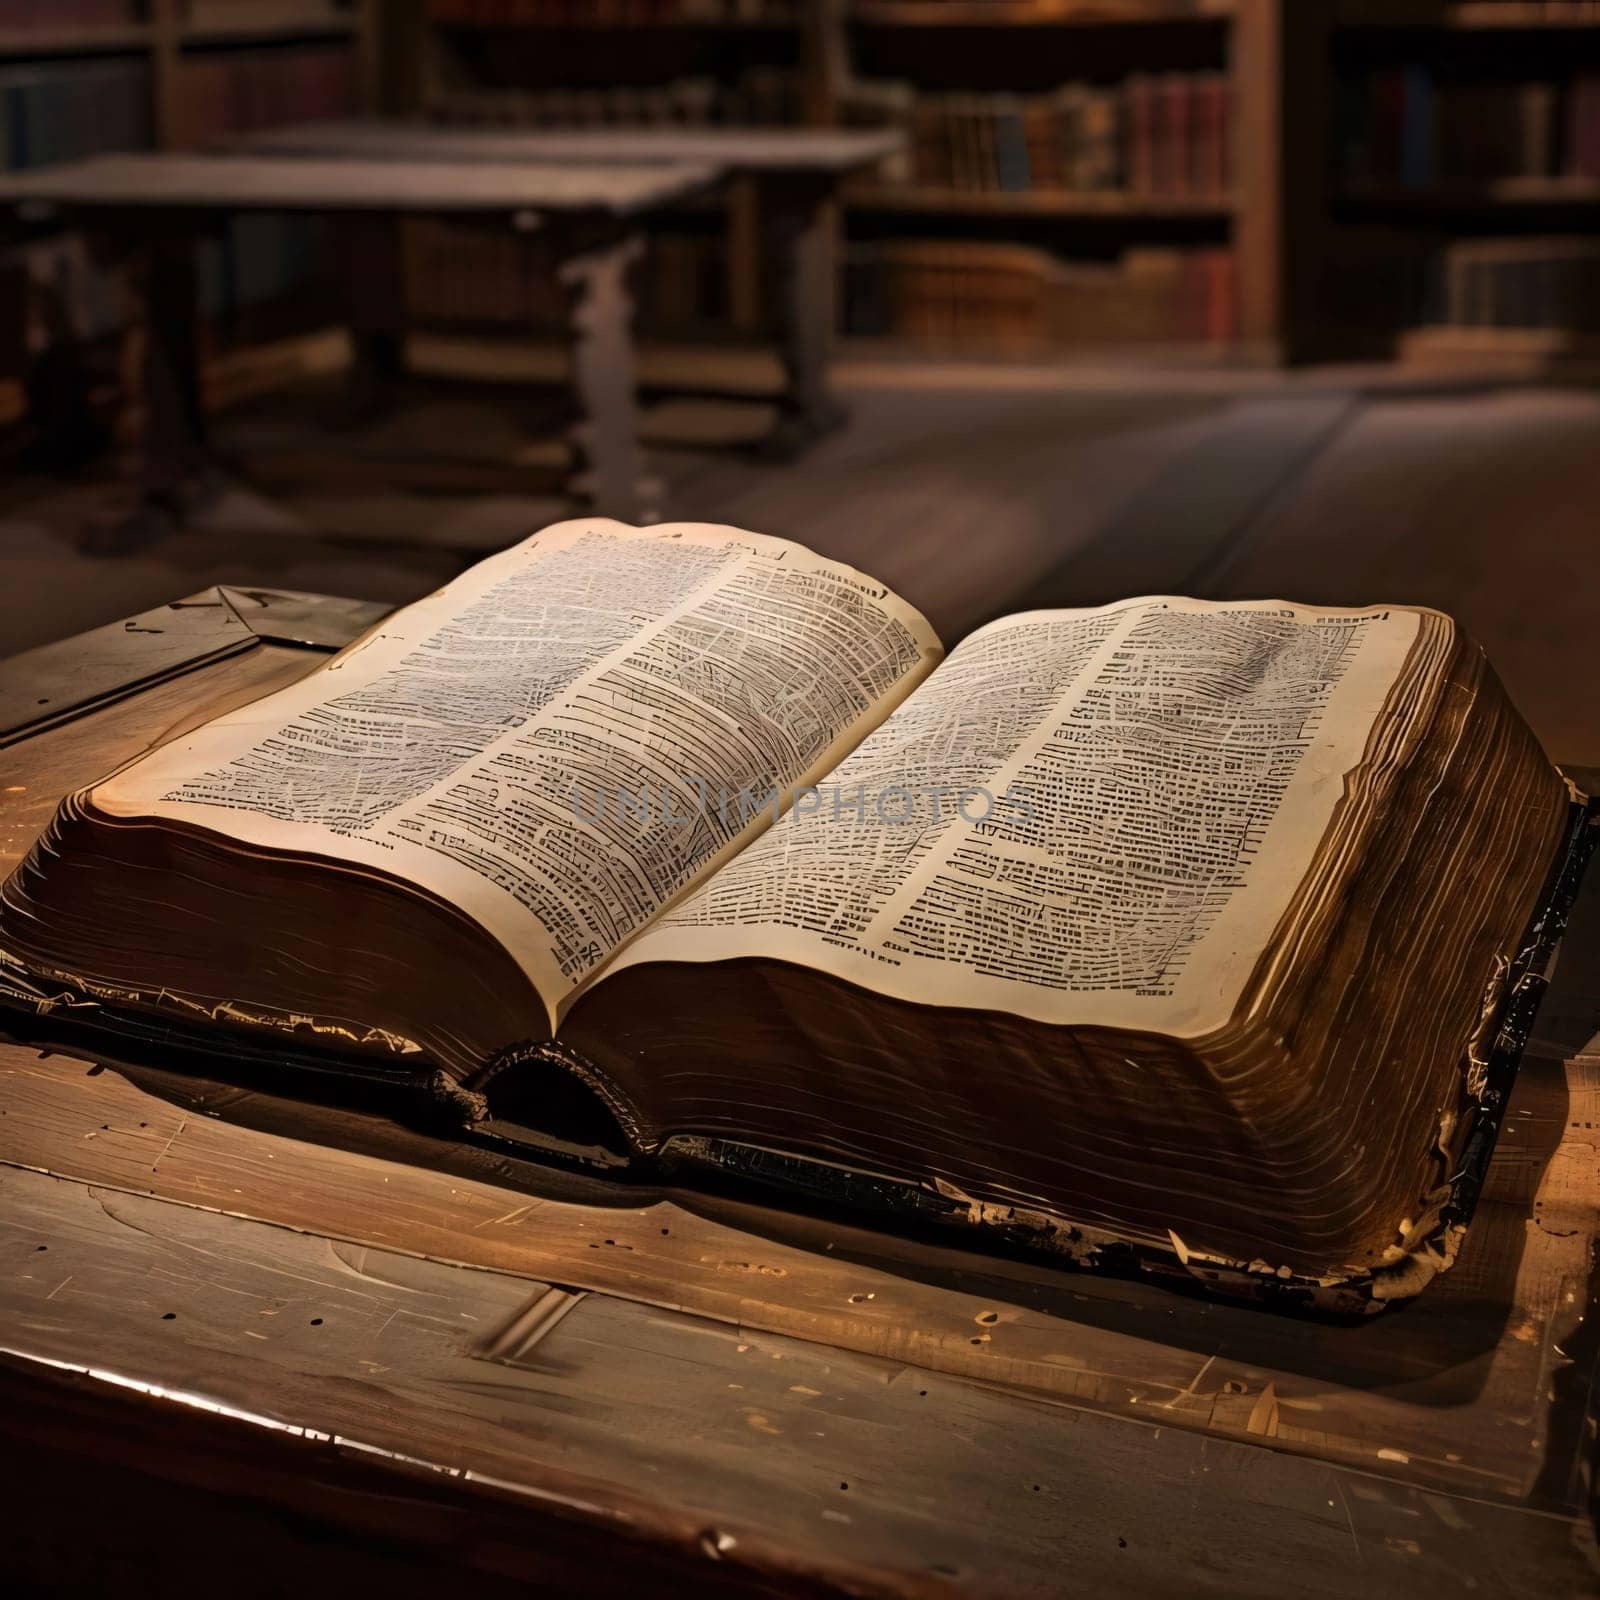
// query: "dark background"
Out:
[1281,297]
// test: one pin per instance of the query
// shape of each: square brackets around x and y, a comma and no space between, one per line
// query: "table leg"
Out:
[798,231]
[175,465]
[599,328]
[66,432]
[176,456]
[14,296]
[372,272]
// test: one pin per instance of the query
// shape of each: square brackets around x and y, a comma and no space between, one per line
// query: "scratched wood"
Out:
[874,1476]
[35,774]
[1450,1392]
[1478,1386]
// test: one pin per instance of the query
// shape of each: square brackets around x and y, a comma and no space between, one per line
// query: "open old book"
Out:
[1168,926]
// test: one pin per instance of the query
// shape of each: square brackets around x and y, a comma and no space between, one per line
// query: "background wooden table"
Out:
[796,173]
[150,210]
[297,1343]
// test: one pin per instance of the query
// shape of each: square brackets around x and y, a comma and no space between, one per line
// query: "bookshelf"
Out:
[1448,224]
[1484,197]
[1468,16]
[1295,243]
[934,200]
[1325,260]
[307,27]
[614,15]
[162,37]
[1089,147]
[1035,13]
[556,62]
[46,40]
[803,61]
[1464,182]
[83,77]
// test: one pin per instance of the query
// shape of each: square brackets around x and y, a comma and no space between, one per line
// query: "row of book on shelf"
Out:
[999,296]
[761,96]
[1402,125]
[261,258]
[555,13]
[983,296]
[465,278]
[1515,283]
[57,111]
[1567,11]
[63,111]
[66,110]
[29,16]
[1153,133]
[56,16]
[243,91]
[242,14]
[1004,296]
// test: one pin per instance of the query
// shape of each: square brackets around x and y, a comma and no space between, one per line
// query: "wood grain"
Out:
[1451,1393]
[1457,1385]
[748,1459]
[39,771]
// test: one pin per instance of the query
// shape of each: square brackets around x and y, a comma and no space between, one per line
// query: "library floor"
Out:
[979,490]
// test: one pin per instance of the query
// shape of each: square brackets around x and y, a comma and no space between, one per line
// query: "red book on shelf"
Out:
[203,112]
[1210,104]
[1222,299]
[1039,135]
[1139,131]
[1172,155]
[1192,298]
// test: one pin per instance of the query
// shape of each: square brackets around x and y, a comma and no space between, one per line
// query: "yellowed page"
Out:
[1087,817]
[545,741]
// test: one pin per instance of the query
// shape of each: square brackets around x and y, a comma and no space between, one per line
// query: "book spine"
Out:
[64,111]
[1014,169]
[1139,122]
[1536,129]
[1173,157]
[1583,127]
[1040,146]
[1168,135]
[1209,170]
[1417,128]
[1401,125]
[1008,296]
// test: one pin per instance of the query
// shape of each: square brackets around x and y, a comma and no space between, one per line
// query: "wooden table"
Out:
[300,1346]
[152,209]
[797,173]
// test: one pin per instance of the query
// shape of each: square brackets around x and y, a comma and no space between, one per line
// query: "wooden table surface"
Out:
[162,181]
[280,1293]
[732,149]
